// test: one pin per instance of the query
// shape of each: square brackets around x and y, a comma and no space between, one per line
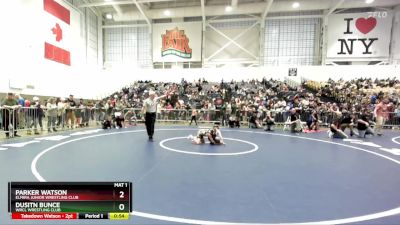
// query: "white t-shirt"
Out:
[51,109]
[151,105]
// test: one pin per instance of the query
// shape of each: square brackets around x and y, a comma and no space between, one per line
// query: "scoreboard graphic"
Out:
[69,200]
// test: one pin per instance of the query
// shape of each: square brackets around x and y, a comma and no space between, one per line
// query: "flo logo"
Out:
[175,42]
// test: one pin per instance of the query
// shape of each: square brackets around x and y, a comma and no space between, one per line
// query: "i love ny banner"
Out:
[359,35]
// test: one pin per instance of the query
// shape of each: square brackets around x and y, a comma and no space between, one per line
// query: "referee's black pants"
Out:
[150,120]
[193,119]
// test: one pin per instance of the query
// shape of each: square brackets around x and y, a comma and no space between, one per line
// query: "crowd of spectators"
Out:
[265,102]
[234,103]
[208,101]
[357,91]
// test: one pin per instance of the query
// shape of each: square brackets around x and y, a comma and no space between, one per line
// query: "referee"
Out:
[150,108]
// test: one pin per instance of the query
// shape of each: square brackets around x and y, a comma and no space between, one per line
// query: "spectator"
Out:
[118,114]
[129,116]
[51,115]
[40,112]
[21,113]
[347,121]
[295,122]
[61,104]
[99,111]
[363,126]
[335,132]
[9,114]
[109,108]
[80,113]
[87,113]
[33,116]
[381,115]
[70,112]
[106,124]
[253,121]
[313,122]
[269,122]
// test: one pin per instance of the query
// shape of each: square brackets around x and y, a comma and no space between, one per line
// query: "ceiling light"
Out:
[228,8]
[167,12]
[295,5]
[109,16]
[108,0]
[369,1]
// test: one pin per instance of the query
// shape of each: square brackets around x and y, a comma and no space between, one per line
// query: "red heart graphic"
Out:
[365,25]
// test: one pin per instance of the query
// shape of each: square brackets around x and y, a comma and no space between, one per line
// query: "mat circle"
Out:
[255,148]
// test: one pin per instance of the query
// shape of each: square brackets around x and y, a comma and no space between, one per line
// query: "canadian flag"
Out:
[57,36]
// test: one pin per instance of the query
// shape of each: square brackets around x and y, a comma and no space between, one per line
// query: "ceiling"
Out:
[140,10]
